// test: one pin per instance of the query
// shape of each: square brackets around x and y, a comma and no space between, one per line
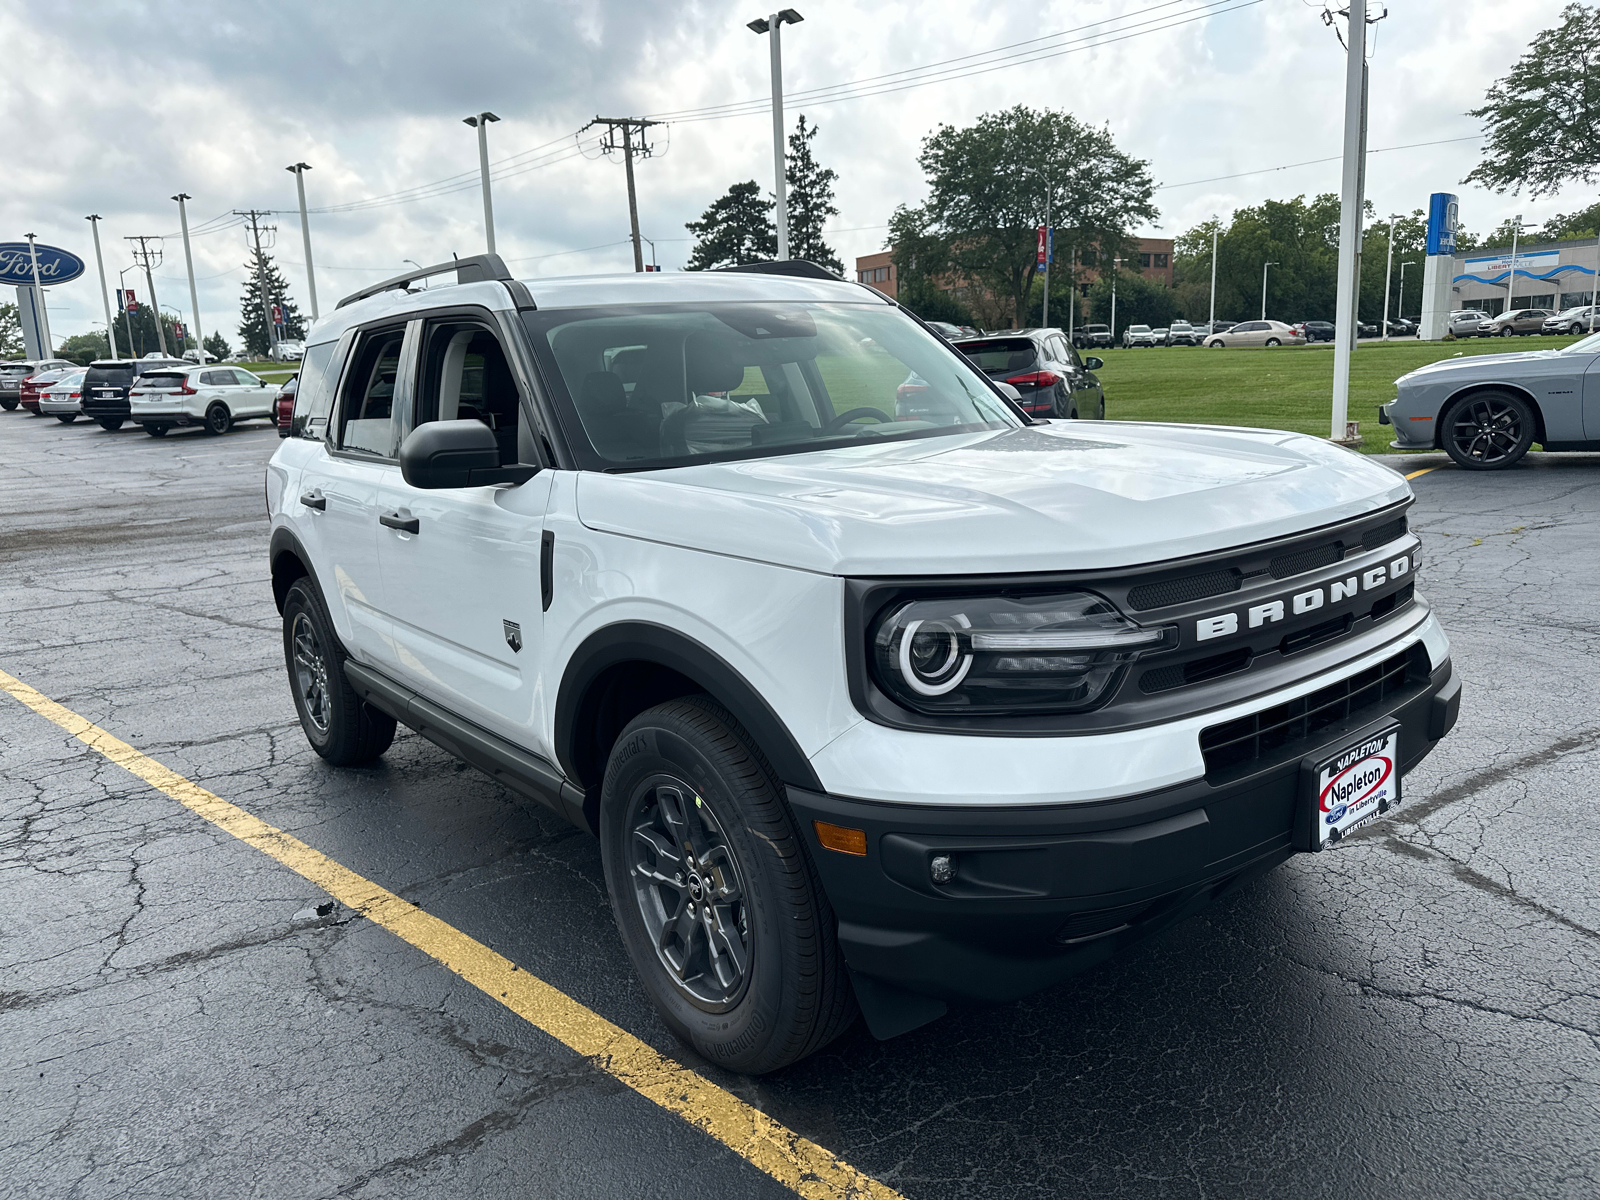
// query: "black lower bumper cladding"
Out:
[1035,895]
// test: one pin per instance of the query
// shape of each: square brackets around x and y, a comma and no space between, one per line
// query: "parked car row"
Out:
[157,392]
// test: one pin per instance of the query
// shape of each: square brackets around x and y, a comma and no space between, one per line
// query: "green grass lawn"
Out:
[1286,388]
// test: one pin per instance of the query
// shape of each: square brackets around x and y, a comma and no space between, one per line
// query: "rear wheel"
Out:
[110,423]
[217,419]
[66,418]
[714,893]
[1271,342]
[156,428]
[8,405]
[340,726]
[1487,431]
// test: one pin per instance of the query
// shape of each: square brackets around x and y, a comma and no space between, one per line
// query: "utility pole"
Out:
[628,127]
[1388,271]
[1212,322]
[148,258]
[773,26]
[254,215]
[194,296]
[300,170]
[105,298]
[481,124]
[1350,198]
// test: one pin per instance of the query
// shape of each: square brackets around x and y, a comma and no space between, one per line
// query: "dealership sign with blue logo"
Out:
[55,265]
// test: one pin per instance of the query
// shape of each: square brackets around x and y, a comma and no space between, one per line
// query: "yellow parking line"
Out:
[1424,471]
[808,1169]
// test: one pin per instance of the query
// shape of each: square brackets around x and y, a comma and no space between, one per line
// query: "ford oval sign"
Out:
[55,265]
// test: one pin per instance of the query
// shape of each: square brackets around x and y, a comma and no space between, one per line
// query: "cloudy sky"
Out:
[115,106]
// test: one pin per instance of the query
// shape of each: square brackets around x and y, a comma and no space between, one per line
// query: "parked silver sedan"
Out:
[63,399]
[1487,410]
[1257,333]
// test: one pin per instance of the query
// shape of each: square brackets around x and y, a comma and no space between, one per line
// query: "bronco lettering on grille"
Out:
[1309,600]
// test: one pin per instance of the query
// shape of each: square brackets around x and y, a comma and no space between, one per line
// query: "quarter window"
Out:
[314,391]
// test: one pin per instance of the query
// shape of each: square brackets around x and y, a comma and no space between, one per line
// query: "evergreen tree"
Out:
[265,277]
[735,230]
[217,346]
[810,201]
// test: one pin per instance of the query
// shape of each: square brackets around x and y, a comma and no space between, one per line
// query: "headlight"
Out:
[999,654]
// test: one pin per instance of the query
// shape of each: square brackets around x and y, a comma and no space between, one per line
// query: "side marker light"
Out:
[837,837]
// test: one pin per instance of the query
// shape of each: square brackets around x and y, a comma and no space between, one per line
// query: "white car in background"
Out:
[63,399]
[211,397]
[289,351]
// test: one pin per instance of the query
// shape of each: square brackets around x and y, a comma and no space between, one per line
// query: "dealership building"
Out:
[1553,275]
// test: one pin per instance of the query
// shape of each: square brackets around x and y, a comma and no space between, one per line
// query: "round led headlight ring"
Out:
[931,659]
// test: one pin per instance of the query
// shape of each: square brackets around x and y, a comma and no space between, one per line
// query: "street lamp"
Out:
[1264,267]
[773,25]
[1387,271]
[481,124]
[1400,300]
[1511,275]
[653,265]
[1116,269]
[299,169]
[1049,242]
[127,315]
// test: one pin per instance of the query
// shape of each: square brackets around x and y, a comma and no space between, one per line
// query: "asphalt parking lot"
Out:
[1414,1014]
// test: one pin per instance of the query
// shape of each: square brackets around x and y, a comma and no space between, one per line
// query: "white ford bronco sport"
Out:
[878,697]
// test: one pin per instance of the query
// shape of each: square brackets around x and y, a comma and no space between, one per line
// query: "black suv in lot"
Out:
[1051,380]
[106,385]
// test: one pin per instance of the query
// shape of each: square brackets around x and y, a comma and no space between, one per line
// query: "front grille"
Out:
[1272,732]
[1184,590]
[1161,679]
[1300,561]
[1383,534]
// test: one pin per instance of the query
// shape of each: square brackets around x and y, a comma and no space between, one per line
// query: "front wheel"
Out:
[66,418]
[1216,345]
[340,726]
[217,419]
[1487,431]
[110,424]
[1506,331]
[714,893]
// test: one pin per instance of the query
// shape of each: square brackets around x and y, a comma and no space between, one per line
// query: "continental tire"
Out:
[1487,431]
[714,892]
[340,726]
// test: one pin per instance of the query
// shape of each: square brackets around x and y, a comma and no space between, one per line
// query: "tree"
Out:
[11,343]
[735,230]
[1301,237]
[84,348]
[810,201]
[217,346]
[1585,223]
[1140,301]
[265,276]
[1544,117]
[985,201]
[144,336]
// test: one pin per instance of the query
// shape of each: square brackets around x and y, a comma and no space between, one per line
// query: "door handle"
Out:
[395,521]
[314,499]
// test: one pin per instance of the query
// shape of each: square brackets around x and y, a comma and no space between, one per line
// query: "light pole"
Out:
[1049,242]
[653,265]
[105,299]
[1216,228]
[1116,269]
[299,170]
[481,124]
[773,25]
[1264,267]
[194,296]
[127,314]
[1511,275]
[1352,177]
[1388,270]
[1400,300]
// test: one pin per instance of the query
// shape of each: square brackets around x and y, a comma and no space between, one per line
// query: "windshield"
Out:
[665,385]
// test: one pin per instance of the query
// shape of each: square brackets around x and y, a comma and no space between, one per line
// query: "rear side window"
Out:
[1000,354]
[366,404]
[244,377]
[313,396]
[216,378]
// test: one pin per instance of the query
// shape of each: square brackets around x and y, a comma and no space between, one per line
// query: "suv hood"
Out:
[1061,496]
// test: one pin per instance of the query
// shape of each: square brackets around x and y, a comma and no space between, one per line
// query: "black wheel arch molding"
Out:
[659,662]
[289,562]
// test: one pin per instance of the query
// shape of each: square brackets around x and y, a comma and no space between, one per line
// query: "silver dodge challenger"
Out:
[1487,410]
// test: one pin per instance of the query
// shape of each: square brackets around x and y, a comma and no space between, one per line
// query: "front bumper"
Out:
[1041,893]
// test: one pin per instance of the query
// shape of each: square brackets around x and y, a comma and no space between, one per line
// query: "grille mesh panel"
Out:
[1182,591]
[1383,534]
[1299,562]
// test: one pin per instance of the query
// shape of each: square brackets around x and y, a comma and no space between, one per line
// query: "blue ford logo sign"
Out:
[55,265]
[1337,815]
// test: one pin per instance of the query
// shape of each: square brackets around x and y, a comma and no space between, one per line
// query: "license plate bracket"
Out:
[1353,787]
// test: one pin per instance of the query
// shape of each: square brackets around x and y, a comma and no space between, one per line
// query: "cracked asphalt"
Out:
[1414,1014]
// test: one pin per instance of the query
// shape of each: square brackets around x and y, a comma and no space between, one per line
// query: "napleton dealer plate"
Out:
[1356,786]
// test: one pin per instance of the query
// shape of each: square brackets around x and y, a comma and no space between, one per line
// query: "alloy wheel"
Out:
[690,892]
[310,673]
[1487,431]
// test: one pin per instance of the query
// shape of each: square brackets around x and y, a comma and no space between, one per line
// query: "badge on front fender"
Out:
[1345,791]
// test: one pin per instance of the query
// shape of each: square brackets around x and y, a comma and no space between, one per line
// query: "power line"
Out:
[1313,161]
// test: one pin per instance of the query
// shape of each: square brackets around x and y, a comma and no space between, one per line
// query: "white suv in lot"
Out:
[211,397]
[873,704]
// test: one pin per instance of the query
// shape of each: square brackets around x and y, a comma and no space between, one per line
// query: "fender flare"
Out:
[644,641]
[284,542]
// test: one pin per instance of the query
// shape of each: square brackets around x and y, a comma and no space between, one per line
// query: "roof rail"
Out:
[800,268]
[477,269]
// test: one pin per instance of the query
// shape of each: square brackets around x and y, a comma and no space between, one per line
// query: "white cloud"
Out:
[149,99]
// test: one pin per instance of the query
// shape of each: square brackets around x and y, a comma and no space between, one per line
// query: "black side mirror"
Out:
[1091,363]
[456,454]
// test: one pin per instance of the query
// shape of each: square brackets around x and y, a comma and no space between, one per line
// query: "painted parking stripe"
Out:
[803,1166]
[1424,471]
